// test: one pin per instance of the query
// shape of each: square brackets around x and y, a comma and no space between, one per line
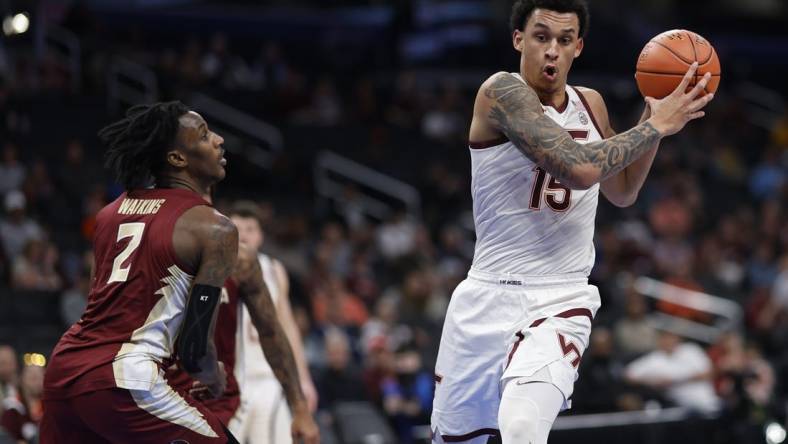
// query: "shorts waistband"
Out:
[522,280]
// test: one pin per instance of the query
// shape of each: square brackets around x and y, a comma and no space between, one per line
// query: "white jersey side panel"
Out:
[254,362]
[528,223]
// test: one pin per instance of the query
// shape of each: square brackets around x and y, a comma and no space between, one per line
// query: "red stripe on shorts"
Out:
[520,338]
[471,435]
[566,314]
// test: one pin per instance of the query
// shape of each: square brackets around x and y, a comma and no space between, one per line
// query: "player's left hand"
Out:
[304,428]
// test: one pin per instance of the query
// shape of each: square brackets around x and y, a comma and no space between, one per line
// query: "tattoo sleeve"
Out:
[273,340]
[216,263]
[517,112]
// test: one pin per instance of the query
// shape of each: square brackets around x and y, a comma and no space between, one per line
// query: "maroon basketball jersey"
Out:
[136,301]
[225,337]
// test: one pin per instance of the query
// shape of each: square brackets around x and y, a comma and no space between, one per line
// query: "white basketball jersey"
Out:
[254,362]
[527,222]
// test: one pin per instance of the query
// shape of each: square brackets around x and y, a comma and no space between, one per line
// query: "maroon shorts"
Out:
[159,416]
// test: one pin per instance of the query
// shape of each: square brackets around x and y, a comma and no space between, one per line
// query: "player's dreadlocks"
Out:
[136,145]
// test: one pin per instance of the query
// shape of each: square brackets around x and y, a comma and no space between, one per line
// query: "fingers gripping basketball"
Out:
[665,59]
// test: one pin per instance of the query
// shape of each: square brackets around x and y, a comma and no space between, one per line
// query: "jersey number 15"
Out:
[557,196]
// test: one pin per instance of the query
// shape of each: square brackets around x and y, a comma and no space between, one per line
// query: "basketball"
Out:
[667,57]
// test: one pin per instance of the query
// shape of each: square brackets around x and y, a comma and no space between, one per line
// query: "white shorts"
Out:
[507,326]
[264,416]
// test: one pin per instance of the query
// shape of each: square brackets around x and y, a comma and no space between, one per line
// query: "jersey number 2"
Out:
[133,230]
[557,196]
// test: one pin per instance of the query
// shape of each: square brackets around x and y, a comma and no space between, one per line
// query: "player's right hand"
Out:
[218,387]
[670,114]
[304,428]
[201,391]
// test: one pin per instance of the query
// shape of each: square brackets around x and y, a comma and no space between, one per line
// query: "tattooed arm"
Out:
[286,319]
[273,340]
[506,105]
[621,189]
[207,240]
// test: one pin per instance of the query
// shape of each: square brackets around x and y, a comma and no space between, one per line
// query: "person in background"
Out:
[265,416]
[679,369]
[17,229]
[36,267]
[23,411]
[8,371]
[407,395]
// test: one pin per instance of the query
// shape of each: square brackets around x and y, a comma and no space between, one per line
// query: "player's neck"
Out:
[186,183]
[556,99]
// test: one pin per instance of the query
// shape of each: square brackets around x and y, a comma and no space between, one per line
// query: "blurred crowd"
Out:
[370,295]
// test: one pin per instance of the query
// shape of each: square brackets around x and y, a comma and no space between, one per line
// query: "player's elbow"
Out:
[581,178]
[623,201]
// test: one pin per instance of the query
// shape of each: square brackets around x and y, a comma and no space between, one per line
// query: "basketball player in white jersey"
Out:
[264,414]
[541,151]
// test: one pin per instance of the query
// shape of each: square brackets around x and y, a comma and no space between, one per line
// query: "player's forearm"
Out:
[516,111]
[279,355]
[274,342]
[623,188]
[208,365]
[296,342]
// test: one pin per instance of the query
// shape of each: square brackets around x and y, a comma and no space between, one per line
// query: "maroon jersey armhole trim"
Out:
[487,143]
[590,112]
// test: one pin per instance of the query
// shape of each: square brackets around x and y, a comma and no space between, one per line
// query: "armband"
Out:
[192,342]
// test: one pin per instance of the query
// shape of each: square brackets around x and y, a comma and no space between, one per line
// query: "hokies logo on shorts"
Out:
[179,441]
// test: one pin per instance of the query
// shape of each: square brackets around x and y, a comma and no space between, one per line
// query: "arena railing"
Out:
[257,141]
[725,315]
[764,105]
[65,47]
[377,193]
[129,83]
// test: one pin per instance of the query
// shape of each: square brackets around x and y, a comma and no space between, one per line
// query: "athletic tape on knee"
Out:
[192,342]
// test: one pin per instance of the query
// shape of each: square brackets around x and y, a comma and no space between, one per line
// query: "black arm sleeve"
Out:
[192,341]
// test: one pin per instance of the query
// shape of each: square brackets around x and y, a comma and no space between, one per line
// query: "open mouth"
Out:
[550,72]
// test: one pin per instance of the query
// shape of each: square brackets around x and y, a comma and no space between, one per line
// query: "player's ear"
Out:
[176,158]
[579,47]
[517,40]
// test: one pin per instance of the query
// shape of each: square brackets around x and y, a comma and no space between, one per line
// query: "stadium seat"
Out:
[361,423]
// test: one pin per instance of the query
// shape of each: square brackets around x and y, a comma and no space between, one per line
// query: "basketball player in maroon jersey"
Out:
[162,254]
[246,285]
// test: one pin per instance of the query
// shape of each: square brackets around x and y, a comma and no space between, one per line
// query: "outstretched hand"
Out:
[670,114]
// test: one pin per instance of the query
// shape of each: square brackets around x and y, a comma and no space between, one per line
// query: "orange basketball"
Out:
[667,57]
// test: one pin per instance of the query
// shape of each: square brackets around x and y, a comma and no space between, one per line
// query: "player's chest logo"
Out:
[583,118]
